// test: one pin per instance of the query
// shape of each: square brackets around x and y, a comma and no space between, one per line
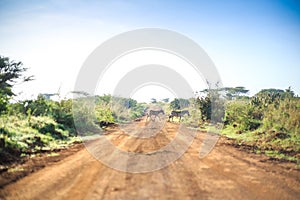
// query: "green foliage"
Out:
[269,122]
[92,112]
[4,100]
[179,104]
[84,115]
[204,104]
[284,117]
[61,111]
[138,110]
[274,109]
[174,105]
[18,137]
[153,100]
[126,109]
[104,114]
[241,113]
[105,99]
[274,144]
[271,91]
[194,120]
[211,106]
[10,73]
[166,100]
[234,92]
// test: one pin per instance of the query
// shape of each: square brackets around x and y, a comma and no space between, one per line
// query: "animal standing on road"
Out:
[154,113]
[179,114]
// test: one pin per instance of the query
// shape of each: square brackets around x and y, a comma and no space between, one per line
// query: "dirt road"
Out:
[227,173]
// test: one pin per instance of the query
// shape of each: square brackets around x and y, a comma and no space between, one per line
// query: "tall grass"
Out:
[20,135]
[269,126]
[283,118]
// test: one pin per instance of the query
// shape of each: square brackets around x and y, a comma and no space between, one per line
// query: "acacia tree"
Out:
[166,100]
[11,73]
[153,100]
[234,92]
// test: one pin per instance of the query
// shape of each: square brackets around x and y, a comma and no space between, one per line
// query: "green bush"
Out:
[285,117]
[19,136]
[241,114]
[61,111]
[104,114]
[84,116]
[126,109]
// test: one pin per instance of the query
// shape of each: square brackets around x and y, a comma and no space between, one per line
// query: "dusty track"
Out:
[227,173]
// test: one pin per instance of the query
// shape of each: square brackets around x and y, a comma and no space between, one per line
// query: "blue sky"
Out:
[255,44]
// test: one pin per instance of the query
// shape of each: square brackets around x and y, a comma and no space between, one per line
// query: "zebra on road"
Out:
[179,114]
[154,113]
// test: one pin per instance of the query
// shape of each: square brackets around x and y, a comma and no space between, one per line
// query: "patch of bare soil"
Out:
[22,167]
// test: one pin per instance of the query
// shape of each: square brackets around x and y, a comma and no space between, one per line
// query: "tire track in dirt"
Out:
[253,179]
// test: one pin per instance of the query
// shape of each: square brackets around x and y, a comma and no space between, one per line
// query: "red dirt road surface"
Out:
[226,173]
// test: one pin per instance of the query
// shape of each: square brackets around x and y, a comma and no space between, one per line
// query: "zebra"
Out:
[178,114]
[155,113]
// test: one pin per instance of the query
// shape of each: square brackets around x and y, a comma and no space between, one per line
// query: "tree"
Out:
[183,103]
[271,91]
[266,97]
[211,104]
[153,100]
[103,115]
[166,100]
[204,104]
[289,93]
[175,104]
[11,73]
[179,103]
[234,92]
